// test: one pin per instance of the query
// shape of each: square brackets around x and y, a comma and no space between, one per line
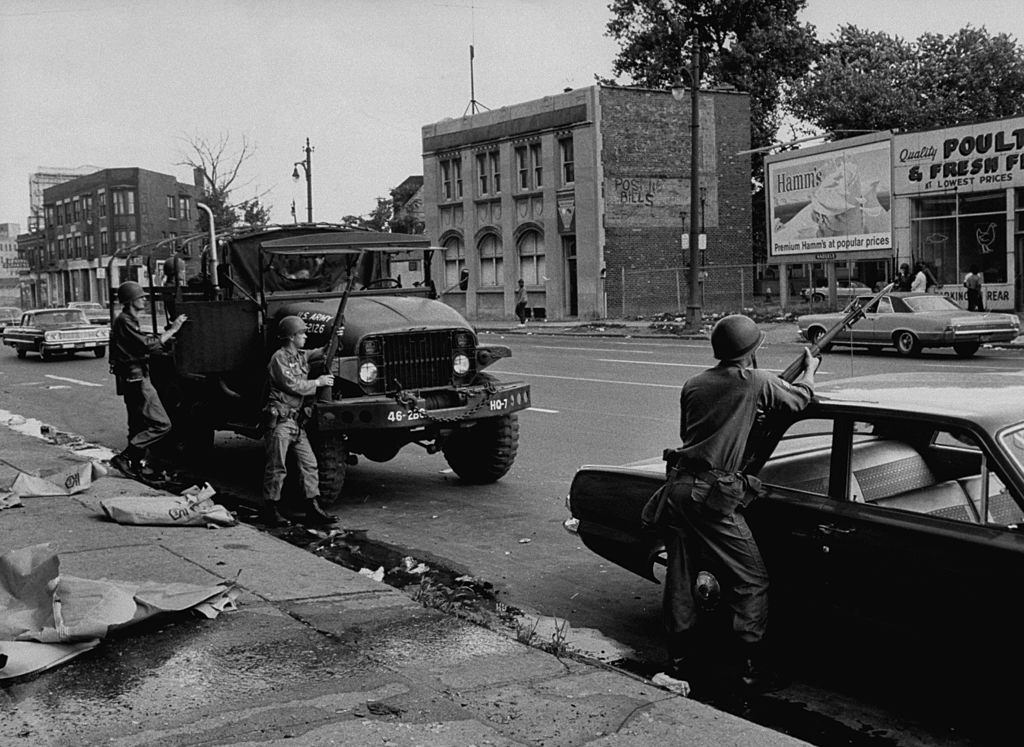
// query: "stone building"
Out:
[585,196]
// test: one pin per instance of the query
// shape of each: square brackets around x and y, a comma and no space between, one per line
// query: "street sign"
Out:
[702,241]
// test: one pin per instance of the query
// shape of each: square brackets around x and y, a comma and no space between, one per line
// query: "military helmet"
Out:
[129,291]
[735,336]
[290,326]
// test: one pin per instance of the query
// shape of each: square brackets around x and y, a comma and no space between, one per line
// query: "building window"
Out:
[87,205]
[454,261]
[530,249]
[529,170]
[522,168]
[451,179]
[124,201]
[951,233]
[76,210]
[491,261]
[184,208]
[535,165]
[104,242]
[101,196]
[49,213]
[488,173]
[172,207]
[566,157]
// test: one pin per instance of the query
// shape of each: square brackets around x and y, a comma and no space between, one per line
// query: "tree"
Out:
[869,80]
[754,45]
[219,168]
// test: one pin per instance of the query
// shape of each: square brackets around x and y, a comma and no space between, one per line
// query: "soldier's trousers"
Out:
[147,419]
[285,436]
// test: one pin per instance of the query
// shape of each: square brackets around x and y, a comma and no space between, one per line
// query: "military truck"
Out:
[408,368]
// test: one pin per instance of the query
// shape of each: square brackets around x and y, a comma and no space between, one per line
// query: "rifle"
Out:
[331,347]
[854,313]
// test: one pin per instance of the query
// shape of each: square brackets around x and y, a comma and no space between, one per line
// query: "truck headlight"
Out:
[368,372]
[460,364]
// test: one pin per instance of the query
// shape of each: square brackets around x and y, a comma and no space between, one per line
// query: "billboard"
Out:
[832,201]
[973,158]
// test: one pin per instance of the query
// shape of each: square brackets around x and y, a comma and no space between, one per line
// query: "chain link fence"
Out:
[720,288]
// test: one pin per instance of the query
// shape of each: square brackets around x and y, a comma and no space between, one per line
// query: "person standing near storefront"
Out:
[974,290]
[521,302]
[920,282]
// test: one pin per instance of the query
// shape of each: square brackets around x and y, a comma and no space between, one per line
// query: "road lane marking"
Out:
[72,381]
[541,409]
[594,350]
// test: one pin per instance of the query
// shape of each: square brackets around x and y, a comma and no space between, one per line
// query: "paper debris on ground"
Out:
[47,618]
[194,507]
[377,575]
[74,478]
[9,500]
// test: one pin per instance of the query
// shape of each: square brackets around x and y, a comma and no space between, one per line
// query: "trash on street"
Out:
[194,507]
[74,478]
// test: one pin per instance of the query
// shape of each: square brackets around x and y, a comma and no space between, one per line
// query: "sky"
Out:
[126,83]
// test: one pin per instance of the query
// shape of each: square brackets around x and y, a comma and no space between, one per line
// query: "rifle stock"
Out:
[854,313]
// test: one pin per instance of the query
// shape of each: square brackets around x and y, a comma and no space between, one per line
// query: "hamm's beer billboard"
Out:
[973,158]
[830,201]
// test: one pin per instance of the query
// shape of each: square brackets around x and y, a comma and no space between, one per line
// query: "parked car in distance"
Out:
[95,312]
[51,332]
[845,290]
[913,321]
[9,315]
[893,518]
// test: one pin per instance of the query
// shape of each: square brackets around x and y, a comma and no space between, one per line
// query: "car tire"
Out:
[100,351]
[331,451]
[485,452]
[907,343]
[965,349]
[816,333]
[817,297]
[21,352]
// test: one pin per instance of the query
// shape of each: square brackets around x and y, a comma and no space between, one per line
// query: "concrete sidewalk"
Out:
[315,654]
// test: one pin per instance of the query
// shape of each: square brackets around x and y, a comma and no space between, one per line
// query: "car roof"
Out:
[993,400]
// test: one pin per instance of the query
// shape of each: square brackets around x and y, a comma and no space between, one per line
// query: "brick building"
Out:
[584,196]
[89,218]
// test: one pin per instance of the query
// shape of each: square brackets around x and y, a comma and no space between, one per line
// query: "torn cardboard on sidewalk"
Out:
[73,478]
[194,507]
[47,619]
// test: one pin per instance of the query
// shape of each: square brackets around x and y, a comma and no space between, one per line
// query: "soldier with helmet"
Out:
[285,415]
[130,349]
[707,490]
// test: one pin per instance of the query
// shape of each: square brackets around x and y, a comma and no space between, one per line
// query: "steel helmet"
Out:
[129,291]
[290,326]
[735,336]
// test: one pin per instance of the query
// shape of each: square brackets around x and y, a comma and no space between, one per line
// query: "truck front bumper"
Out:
[384,413]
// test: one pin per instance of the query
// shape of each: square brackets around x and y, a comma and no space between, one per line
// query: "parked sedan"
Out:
[913,321]
[50,332]
[894,512]
[9,315]
[845,290]
[96,313]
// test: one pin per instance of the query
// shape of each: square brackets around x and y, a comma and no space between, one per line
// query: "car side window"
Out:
[802,459]
[897,305]
[884,306]
[944,473]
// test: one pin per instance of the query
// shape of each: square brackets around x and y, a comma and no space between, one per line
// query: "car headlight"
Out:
[368,372]
[460,364]
[51,336]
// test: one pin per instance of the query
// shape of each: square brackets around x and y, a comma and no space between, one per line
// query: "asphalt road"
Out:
[595,401]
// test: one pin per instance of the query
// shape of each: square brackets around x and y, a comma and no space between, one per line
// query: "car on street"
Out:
[911,322]
[95,312]
[9,315]
[51,332]
[845,290]
[892,515]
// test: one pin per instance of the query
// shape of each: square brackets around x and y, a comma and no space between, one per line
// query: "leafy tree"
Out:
[870,80]
[219,167]
[407,215]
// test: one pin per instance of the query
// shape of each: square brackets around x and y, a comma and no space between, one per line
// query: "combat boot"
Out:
[316,515]
[755,673]
[270,516]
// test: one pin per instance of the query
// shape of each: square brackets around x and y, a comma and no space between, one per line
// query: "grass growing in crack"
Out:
[558,646]
[526,633]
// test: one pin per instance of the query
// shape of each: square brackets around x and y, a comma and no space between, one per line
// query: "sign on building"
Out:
[835,199]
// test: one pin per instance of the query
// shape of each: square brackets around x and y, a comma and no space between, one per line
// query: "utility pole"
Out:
[307,166]
[693,307]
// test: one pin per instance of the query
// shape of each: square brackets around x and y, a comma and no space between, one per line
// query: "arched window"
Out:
[454,260]
[531,258]
[491,264]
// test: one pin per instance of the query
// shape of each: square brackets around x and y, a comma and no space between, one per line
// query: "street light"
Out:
[308,168]
[693,308]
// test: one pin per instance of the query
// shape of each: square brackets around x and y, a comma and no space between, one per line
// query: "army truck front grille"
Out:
[416,360]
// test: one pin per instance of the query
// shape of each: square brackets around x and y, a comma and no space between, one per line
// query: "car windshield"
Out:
[52,319]
[1012,440]
[930,303]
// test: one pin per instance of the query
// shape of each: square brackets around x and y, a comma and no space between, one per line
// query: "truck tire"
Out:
[331,451]
[485,452]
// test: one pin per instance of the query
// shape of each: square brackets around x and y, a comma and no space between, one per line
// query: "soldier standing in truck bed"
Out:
[285,424]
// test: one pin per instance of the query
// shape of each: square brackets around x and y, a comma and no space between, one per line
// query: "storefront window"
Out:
[952,233]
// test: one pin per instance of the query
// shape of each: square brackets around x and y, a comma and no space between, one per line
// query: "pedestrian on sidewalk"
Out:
[286,414]
[521,302]
[130,349]
[974,289]
[904,279]
[707,491]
